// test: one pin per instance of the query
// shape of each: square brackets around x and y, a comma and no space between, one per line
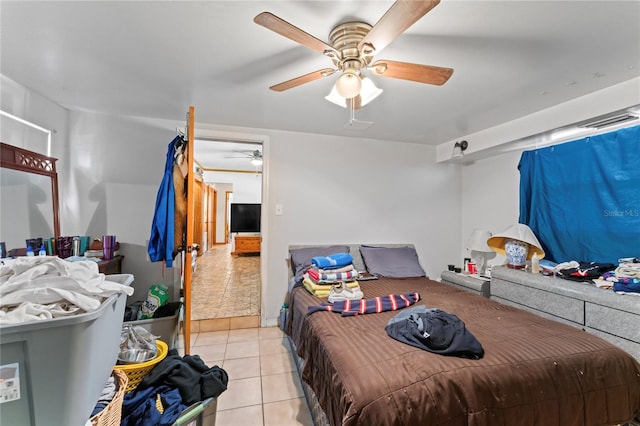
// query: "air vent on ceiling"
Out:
[609,121]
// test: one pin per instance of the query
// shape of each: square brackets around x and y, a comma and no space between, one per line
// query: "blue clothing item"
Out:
[139,407]
[333,261]
[161,240]
[632,286]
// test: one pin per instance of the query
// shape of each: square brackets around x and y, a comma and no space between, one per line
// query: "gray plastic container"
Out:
[166,328]
[63,363]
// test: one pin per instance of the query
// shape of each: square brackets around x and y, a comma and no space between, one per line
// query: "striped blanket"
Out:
[318,277]
[392,302]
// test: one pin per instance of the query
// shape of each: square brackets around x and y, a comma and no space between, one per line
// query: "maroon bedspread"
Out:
[534,372]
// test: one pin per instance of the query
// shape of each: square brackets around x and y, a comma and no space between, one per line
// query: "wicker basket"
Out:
[136,372]
[111,414]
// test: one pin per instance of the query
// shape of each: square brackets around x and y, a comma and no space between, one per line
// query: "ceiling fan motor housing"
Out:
[345,39]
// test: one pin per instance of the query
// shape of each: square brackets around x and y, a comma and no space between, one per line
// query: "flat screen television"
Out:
[245,217]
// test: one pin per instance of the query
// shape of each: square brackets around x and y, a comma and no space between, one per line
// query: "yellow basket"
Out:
[136,372]
[110,415]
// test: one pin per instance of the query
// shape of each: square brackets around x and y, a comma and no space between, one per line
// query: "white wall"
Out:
[489,198]
[361,191]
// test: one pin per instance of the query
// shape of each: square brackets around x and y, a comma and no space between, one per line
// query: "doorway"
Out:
[226,288]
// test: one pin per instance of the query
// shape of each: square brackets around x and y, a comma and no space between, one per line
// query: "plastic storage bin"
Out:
[61,364]
[165,328]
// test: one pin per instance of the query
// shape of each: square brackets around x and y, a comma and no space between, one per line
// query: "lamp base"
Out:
[509,265]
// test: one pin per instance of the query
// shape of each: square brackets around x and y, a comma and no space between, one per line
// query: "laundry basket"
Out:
[136,372]
[111,414]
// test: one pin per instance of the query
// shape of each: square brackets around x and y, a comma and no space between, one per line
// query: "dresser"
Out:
[614,317]
[246,244]
[471,283]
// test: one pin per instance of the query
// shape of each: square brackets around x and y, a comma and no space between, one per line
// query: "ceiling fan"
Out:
[254,156]
[351,49]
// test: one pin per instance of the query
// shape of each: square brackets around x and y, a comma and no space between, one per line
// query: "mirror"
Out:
[28,197]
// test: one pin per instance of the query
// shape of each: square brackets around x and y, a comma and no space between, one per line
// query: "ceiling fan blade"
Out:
[414,72]
[285,29]
[400,16]
[295,82]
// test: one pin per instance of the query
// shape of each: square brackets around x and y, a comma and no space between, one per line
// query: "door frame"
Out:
[214,135]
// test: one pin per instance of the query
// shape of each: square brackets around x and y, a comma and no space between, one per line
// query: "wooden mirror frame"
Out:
[12,157]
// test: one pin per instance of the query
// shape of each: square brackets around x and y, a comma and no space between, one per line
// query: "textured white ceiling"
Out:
[154,59]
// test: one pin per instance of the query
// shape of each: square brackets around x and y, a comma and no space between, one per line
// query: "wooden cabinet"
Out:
[247,244]
[112,266]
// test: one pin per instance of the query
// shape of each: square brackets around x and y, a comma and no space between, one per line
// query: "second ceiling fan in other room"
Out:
[351,49]
[254,156]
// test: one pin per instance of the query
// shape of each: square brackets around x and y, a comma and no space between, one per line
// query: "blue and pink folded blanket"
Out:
[321,277]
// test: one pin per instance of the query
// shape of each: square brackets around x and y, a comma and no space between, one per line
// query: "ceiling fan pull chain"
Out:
[352,111]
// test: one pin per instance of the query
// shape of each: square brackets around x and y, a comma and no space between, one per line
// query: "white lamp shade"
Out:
[348,85]
[478,241]
[368,93]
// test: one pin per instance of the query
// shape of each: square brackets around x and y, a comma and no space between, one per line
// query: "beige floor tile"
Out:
[240,393]
[243,335]
[210,353]
[211,338]
[290,412]
[244,416]
[242,349]
[276,364]
[246,321]
[278,387]
[274,346]
[270,333]
[216,324]
[241,368]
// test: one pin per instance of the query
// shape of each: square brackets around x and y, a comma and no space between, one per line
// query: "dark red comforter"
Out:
[534,372]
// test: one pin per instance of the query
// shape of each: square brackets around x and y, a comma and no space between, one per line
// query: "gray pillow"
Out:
[301,257]
[392,262]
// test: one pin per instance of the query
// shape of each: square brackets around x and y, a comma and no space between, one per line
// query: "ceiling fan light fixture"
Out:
[349,84]
[256,161]
[368,93]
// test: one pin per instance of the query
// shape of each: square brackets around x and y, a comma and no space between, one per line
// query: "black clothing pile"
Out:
[586,271]
[190,375]
[435,331]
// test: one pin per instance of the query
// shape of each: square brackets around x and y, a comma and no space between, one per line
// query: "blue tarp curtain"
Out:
[582,198]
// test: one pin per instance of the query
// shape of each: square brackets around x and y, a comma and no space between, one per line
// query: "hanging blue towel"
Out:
[333,261]
[162,228]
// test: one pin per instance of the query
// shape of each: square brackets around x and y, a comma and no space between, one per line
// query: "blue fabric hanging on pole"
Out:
[582,198]
[161,241]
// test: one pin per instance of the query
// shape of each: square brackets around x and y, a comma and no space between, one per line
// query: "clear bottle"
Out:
[535,264]
[42,252]
[30,251]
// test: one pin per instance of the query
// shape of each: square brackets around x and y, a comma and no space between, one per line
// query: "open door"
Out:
[190,258]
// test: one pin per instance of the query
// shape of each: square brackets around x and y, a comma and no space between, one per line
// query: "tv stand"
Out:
[246,244]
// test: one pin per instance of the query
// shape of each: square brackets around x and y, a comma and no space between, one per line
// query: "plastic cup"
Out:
[108,246]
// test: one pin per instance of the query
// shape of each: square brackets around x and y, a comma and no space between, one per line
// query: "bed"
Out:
[534,371]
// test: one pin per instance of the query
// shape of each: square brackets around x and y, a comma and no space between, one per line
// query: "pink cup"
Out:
[108,246]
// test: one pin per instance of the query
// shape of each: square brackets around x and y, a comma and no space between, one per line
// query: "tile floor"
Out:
[225,286]
[264,388]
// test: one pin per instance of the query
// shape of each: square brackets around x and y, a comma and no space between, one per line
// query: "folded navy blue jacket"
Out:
[435,331]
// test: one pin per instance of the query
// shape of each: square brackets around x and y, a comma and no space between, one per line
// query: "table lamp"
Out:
[479,250]
[518,243]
